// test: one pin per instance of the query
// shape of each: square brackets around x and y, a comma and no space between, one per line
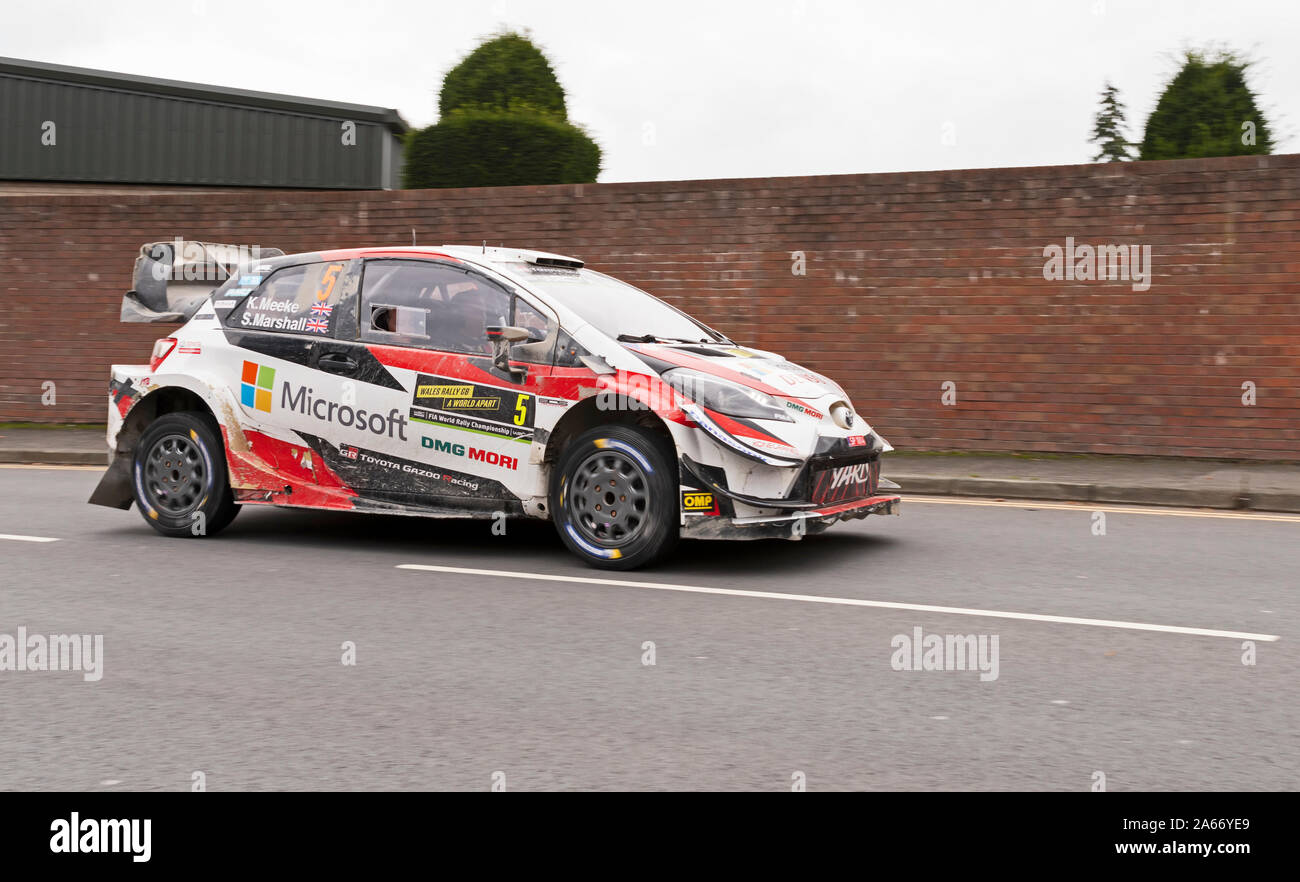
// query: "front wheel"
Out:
[614,497]
[179,476]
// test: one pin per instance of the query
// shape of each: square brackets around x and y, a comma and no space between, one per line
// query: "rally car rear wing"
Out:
[172,278]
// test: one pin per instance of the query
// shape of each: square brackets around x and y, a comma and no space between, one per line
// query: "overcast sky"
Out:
[676,90]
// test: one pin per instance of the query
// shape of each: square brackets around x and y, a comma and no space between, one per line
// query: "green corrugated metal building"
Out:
[73,125]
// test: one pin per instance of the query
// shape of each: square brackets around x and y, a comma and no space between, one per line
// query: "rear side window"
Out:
[293,300]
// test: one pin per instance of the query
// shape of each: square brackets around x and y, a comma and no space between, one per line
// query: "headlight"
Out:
[724,396]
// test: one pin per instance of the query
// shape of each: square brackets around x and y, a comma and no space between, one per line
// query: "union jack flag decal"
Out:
[321,309]
[318,325]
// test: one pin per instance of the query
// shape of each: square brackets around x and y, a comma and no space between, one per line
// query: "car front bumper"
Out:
[793,525]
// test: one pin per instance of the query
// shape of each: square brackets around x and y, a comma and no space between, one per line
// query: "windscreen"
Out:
[616,308]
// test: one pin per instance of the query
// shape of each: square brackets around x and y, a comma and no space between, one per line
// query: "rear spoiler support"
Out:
[172,279]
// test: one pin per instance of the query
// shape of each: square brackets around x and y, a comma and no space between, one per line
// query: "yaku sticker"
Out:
[474,407]
[842,483]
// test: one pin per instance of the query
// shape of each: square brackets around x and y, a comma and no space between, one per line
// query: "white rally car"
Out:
[470,382]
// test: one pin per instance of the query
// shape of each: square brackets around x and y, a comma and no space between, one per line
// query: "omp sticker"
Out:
[699,501]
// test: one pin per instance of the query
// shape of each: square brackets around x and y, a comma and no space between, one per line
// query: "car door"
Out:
[468,423]
[285,313]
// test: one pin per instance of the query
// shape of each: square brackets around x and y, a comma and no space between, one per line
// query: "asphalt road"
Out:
[224,655]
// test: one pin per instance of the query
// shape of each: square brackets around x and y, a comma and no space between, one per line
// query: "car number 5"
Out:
[521,410]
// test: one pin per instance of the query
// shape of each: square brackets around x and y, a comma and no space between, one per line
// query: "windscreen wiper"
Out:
[651,338]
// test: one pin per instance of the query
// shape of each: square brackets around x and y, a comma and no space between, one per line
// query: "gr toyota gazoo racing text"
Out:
[466,382]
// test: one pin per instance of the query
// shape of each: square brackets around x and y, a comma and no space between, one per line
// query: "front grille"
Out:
[840,481]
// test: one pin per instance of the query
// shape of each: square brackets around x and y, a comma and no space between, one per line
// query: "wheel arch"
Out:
[114,489]
[161,401]
[587,414]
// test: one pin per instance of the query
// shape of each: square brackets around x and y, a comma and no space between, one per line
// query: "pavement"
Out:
[1123,641]
[1105,479]
[1181,481]
[63,445]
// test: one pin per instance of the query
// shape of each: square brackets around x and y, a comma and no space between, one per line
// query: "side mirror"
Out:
[502,338]
[508,333]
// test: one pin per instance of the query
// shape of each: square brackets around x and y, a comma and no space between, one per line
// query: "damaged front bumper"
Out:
[788,518]
[794,525]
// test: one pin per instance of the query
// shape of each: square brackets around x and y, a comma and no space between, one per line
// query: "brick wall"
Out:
[911,280]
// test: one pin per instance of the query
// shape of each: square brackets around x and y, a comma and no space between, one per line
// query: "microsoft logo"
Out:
[255,386]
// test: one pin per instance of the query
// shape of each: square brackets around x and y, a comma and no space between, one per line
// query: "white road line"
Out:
[1092,506]
[18,538]
[852,601]
[68,467]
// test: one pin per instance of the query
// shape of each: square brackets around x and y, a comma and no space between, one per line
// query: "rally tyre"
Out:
[614,497]
[179,477]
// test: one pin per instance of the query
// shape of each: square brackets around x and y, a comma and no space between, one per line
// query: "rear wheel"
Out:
[614,497]
[179,476]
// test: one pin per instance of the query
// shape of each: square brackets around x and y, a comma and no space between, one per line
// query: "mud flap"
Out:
[114,489]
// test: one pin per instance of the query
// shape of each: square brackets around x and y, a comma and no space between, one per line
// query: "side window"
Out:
[430,305]
[539,348]
[531,320]
[293,300]
[568,352]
